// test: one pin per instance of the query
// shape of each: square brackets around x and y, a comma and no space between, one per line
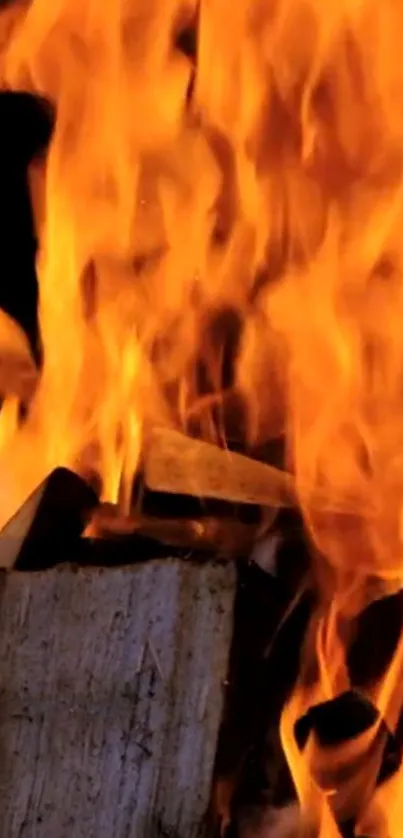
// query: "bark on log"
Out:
[111,694]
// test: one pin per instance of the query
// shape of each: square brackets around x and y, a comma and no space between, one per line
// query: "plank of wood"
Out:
[111,695]
[177,463]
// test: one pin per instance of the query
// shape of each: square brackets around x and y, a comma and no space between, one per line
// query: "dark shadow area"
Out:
[26,125]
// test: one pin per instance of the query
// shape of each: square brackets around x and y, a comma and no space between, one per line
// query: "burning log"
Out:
[64,507]
[254,785]
[225,537]
[45,532]
[350,751]
[134,659]
[177,463]
[112,687]
[48,524]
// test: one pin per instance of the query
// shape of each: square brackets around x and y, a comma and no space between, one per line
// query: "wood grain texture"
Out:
[174,462]
[111,694]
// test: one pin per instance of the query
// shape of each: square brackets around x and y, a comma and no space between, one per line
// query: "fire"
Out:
[257,178]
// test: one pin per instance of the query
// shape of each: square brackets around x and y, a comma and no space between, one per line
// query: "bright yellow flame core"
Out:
[265,177]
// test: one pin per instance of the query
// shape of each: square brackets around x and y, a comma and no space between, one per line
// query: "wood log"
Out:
[111,693]
[225,538]
[174,462]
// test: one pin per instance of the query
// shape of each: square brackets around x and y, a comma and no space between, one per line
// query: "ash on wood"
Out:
[111,692]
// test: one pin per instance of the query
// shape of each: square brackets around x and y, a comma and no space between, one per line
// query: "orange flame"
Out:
[262,175]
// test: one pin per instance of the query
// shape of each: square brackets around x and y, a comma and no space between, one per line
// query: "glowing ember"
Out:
[263,175]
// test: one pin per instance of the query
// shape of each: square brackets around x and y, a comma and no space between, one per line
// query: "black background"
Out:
[25,130]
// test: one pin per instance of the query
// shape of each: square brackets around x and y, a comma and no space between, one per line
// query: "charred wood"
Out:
[49,523]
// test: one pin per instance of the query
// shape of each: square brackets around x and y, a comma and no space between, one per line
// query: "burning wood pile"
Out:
[213,198]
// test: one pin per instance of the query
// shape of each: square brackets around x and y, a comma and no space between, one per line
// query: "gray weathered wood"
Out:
[111,693]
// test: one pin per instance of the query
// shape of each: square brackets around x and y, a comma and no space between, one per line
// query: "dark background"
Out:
[26,125]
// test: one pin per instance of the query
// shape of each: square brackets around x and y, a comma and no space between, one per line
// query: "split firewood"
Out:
[176,463]
[18,372]
[55,514]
